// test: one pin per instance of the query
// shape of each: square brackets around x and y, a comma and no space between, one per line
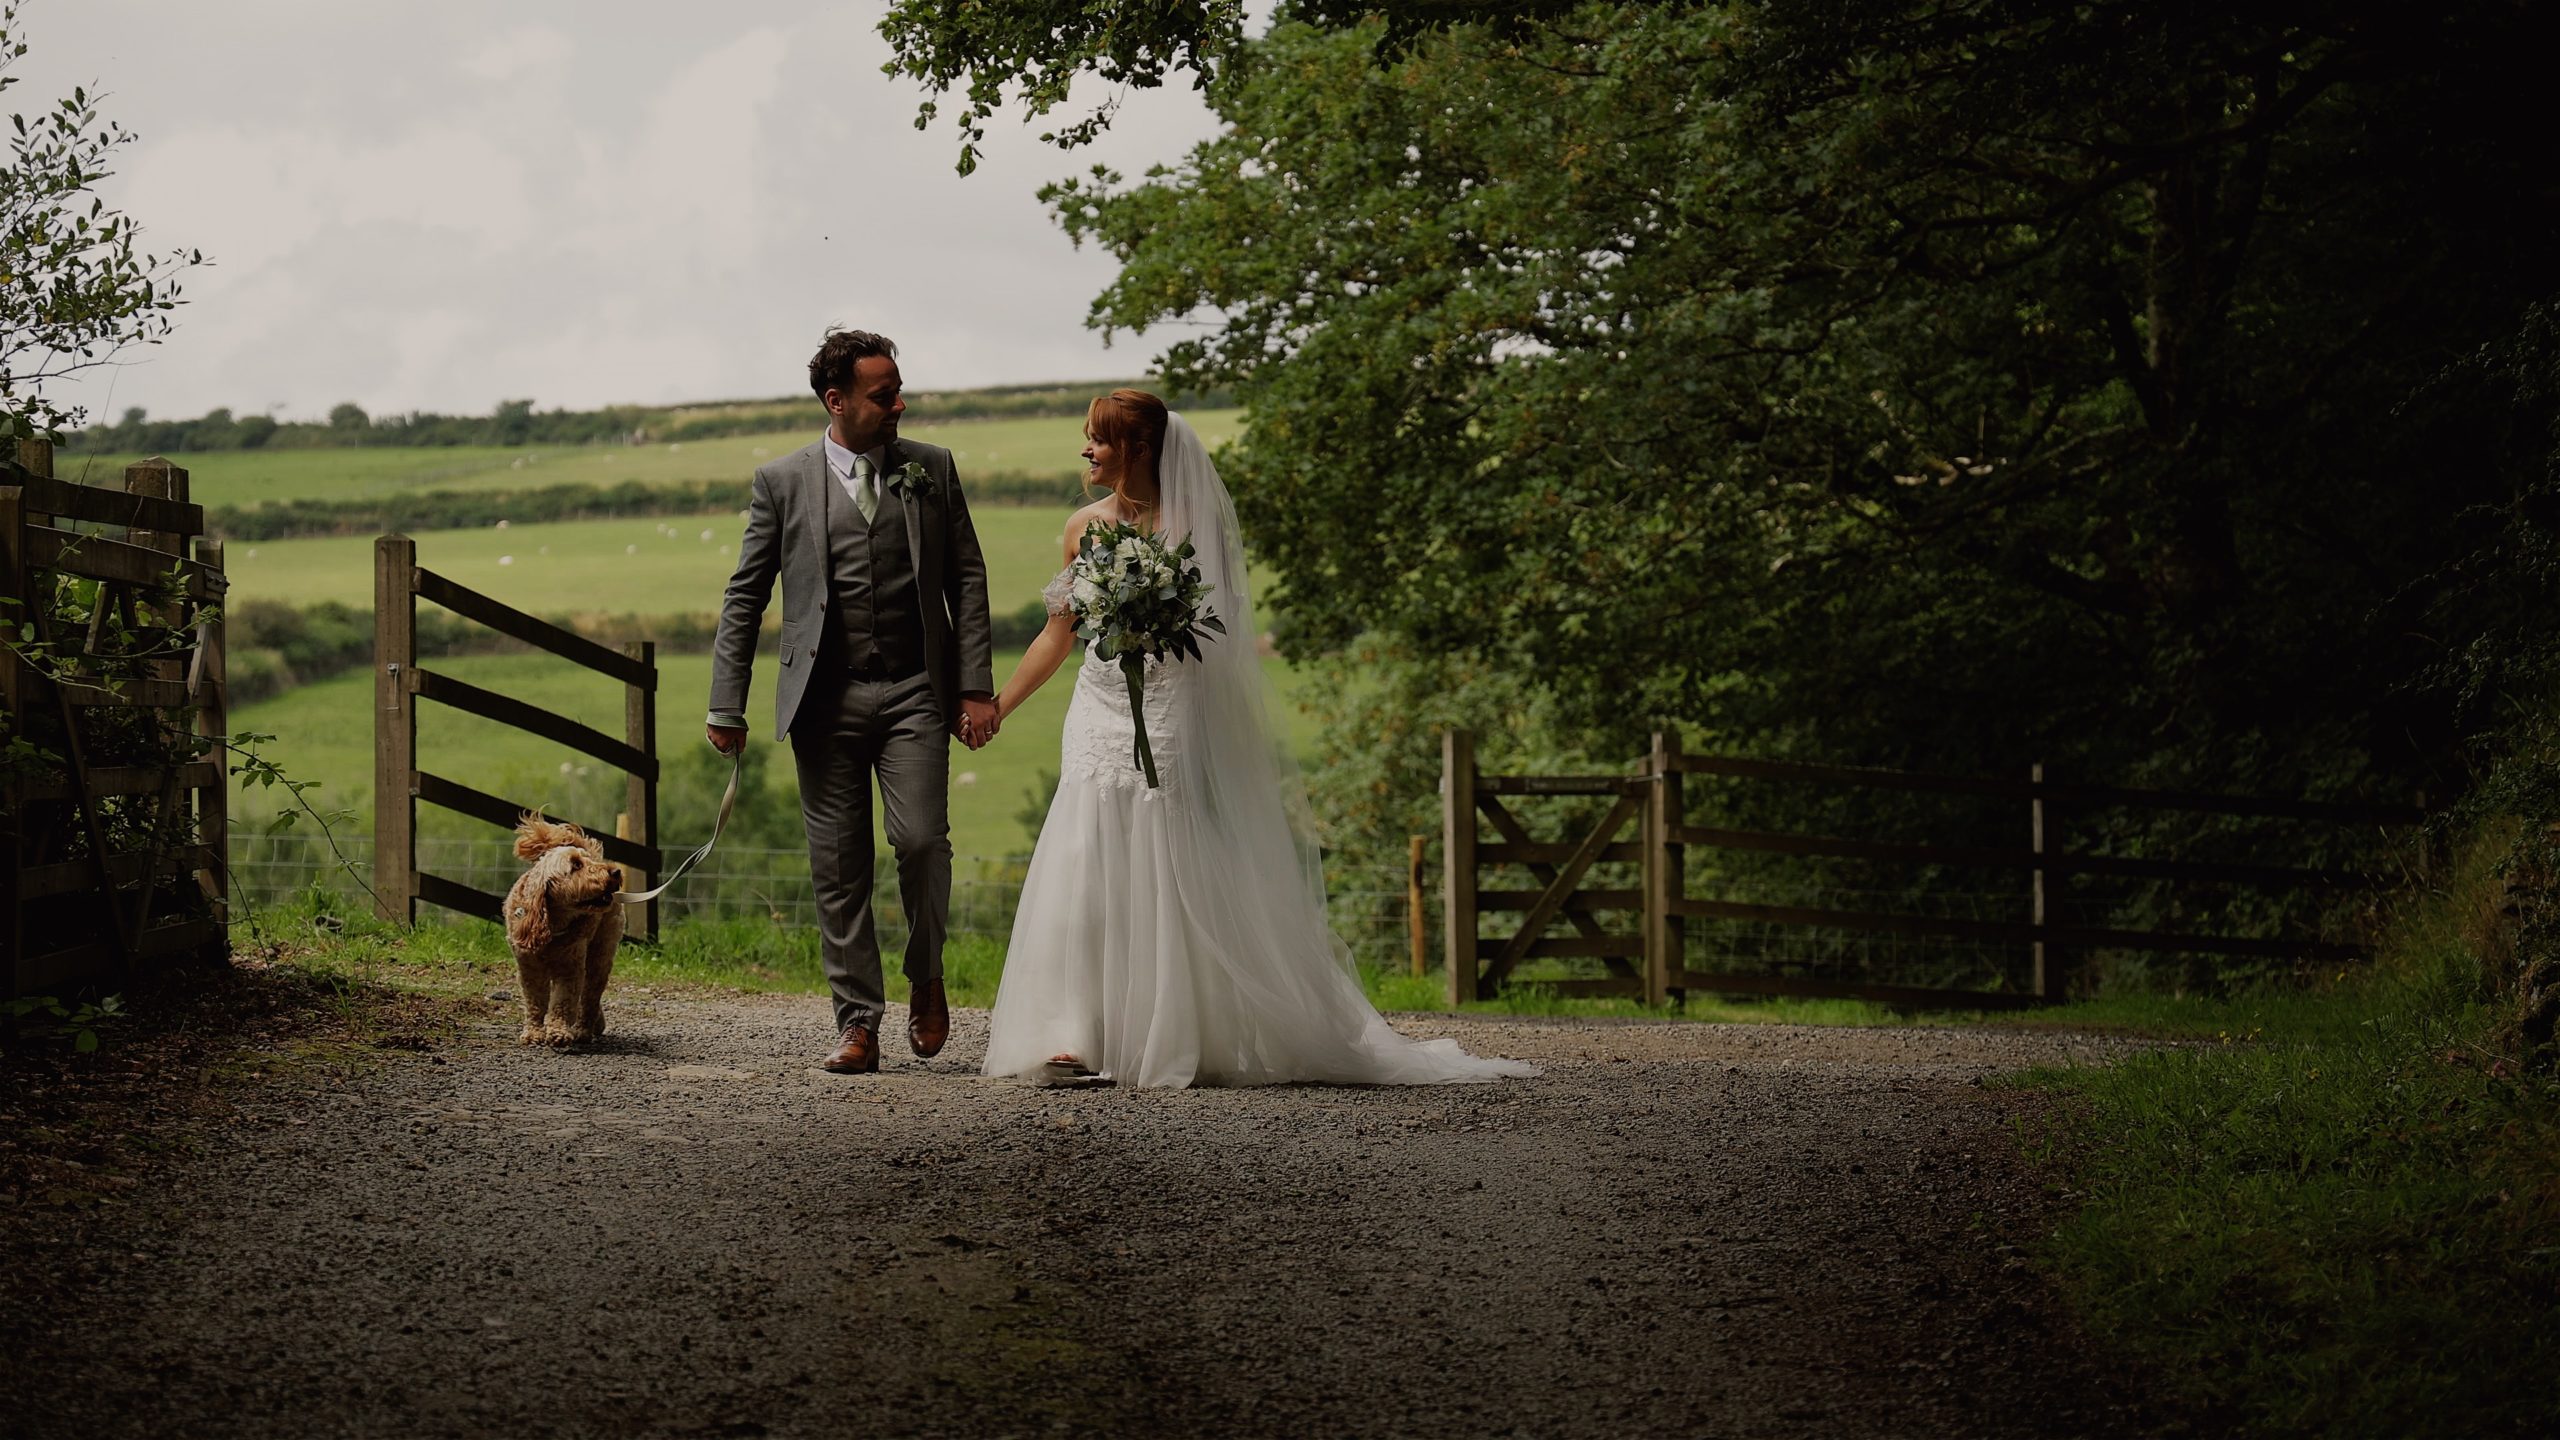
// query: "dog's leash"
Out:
[728,802]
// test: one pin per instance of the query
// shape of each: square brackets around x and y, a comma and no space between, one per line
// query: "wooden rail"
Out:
[84,905]
[399,683]
[2026,857]
[1650,964]
[481,805]
[516,714]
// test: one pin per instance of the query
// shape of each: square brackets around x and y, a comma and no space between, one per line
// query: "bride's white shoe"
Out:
[1066,1072]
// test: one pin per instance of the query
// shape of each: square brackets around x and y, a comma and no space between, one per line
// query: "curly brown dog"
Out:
[564,919]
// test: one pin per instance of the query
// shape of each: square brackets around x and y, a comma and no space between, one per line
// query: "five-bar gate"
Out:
[399,683]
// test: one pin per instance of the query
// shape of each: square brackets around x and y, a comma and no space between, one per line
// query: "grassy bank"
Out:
[2338,1217]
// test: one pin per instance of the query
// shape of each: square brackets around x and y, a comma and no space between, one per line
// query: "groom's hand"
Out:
[727,739]
[978,720]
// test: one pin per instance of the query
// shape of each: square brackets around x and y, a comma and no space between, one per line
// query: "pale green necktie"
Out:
[865,498]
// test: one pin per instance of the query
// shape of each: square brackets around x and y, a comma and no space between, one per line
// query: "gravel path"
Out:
[1677,1230]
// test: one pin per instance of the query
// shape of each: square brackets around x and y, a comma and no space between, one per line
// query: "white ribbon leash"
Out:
[728,802]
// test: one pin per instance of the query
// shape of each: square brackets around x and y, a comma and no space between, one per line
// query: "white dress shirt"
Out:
[840,465]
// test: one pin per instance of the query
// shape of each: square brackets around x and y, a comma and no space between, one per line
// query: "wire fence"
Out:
[1369,908]
[741,883]
[1797,951]
[1756,947]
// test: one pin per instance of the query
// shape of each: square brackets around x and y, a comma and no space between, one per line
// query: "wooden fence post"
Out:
[1664,874]
[13,544]
[1458,859]
[37,456]
[161,480]
[2041,966]
[640,728]
[213,721]
[1417,922]
[395,728]
[2426,856]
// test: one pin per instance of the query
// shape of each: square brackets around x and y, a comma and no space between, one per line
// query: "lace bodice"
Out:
[1099,746]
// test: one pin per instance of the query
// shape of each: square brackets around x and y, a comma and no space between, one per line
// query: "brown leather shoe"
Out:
[928,1019]
[857,1053]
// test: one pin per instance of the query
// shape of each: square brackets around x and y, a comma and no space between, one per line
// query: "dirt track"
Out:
[1677,1230]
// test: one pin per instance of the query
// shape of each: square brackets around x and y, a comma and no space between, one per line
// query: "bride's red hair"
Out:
[1129,418]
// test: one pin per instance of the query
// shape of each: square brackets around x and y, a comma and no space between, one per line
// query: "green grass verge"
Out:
[2338,1216]
[1043,446]
[1404,990]
[330,930]
[753,955]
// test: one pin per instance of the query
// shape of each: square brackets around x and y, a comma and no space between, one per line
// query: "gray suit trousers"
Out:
[848,730]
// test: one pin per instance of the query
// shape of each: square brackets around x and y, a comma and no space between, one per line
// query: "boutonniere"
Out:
[911,475]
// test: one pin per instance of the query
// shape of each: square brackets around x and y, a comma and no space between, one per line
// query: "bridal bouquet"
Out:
[1137,599]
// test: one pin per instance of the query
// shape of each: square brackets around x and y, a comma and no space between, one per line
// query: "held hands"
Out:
[979,721]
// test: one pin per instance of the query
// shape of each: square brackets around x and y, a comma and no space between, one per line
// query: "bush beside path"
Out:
[1679,1228]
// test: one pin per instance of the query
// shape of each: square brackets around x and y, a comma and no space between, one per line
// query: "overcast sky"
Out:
[435,206]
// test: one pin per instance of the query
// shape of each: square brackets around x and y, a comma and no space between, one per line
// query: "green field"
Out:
[251,477]
[644,566]
[324,732]
[650,566]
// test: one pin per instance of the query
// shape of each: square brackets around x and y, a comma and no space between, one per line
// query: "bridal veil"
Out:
[1179,935]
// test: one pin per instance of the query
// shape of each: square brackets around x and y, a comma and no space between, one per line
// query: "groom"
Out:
[886,653]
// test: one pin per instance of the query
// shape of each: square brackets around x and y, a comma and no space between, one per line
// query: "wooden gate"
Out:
[1478,966]
[112,849]
[399,683]
[1639,962]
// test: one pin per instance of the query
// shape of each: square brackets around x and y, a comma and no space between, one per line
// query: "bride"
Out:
[1177,936]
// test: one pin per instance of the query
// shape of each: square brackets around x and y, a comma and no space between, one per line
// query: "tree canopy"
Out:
[1960,382]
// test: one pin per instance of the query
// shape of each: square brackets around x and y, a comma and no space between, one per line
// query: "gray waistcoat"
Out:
[871,578]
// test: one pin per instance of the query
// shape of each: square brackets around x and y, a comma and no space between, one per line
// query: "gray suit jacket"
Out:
[787,535]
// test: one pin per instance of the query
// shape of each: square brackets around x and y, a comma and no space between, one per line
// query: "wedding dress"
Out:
[1177,935]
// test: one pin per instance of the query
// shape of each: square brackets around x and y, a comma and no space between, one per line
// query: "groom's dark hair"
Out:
[832,367]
